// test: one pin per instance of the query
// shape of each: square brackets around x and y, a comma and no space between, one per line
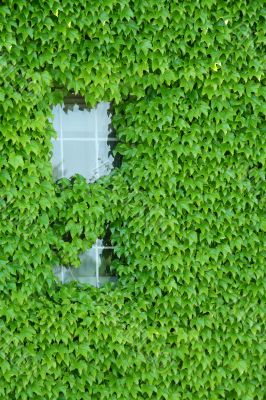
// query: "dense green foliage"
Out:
[186,319]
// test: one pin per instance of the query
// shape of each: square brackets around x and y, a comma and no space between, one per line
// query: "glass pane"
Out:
[79,158]
[86,273]
[105,274]
[78,123]
[105,256]
[106,279]
[57,160]
[104,120]
[56,120]
[105,158]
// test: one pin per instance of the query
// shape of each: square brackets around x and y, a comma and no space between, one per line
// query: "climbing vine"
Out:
[186,318]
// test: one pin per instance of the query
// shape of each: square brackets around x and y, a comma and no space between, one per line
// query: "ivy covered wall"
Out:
[185,209]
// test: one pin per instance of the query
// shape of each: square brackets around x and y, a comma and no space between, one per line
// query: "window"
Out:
[83,145]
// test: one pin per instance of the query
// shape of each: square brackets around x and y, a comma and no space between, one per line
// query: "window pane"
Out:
[56,120]
[57,160]
[104,120]
[86,273]
[105,256]
[79,158]
[105,274]
[105,158]
[78,123]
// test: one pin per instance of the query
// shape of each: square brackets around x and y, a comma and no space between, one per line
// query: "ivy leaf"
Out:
[192,237]
[15,160]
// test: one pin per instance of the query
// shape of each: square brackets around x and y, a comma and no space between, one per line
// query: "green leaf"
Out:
[15,160]
[192,237]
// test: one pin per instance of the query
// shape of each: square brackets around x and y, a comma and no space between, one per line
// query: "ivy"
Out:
[185,319]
